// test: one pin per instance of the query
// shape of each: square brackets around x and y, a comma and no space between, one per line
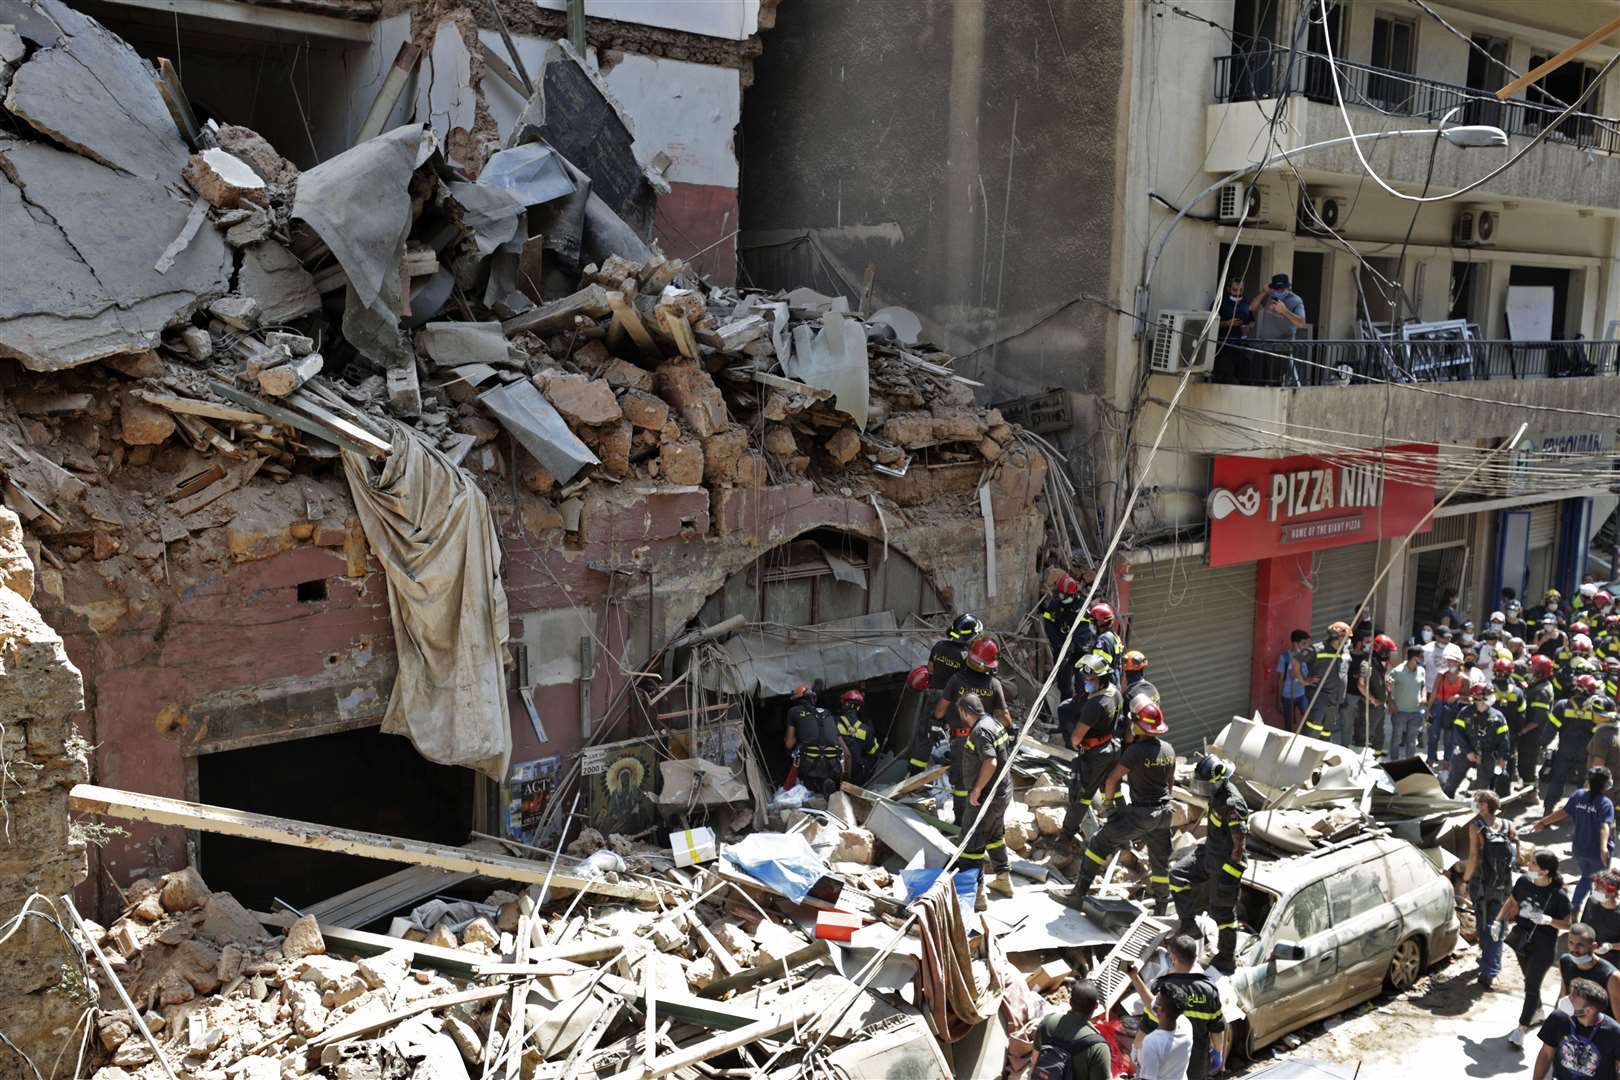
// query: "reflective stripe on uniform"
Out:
[1236,872]
[1226,926]
[1180,888]
[1094,857]
[996,843]
[1215,820]
[960,793]
[1541,704]
[919,764]
[1206,1016]
[970,855]
[1158,879]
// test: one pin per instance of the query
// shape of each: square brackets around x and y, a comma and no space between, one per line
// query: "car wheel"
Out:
[1405,966]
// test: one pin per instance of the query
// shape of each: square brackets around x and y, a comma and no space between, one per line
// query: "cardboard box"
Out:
[837,925]
[1049,974]
[692,846]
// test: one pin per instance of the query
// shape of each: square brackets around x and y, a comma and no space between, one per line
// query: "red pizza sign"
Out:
[1263,507]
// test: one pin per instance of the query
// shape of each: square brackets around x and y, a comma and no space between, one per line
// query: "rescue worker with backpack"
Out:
[1136,683]
[987,754]
[859,736]
[944,660]
[1327,678]
[1068,1045]
[1101,637]
[1535,730]
[1206,879]
[1058,612]
[976,679]
[1148,761]
[813,733]
[1493,858]
[1572,723]
[1089,725]
[1482,742]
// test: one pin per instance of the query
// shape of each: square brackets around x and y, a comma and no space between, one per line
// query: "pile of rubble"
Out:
[249,321]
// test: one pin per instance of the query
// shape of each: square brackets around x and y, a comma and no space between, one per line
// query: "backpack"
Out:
[1054,1059]
[1498,854]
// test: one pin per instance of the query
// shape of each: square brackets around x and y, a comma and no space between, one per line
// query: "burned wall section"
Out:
[41,757]
[961,162]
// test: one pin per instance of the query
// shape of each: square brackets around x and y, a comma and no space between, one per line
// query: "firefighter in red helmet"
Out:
[1148,761]
[977,678]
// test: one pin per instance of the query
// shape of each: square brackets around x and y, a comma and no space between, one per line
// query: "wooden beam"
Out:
[368,445]
[132,806]
[559,315]
[921,780]
[721,1044]
[261,17]
[196,407]
[365,1025]
[174,96]
[626,317]
[399,73]
[365,943]
[1556,62]
[500,68]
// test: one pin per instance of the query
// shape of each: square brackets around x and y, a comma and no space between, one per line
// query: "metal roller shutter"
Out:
[1342,576]
[1543,524]
[1196,625]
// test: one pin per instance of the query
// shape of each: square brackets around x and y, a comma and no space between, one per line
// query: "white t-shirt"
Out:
[1166,1052]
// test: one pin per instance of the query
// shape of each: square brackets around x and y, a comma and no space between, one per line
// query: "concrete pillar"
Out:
[1282,604]
[962,210]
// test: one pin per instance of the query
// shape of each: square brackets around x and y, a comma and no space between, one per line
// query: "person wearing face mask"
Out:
[1482,743]
[1583,962]
[1537,909]
[1450,694]
[1580,1045]
[1536,730]
[1602,913]
[1592,813]
[1514,624]
[1573,721]
[1408,696]
[1089,723]
[1326,679]
[1510,703]
[1493,849]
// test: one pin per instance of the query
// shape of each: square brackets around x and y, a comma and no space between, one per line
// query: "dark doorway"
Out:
[1558,279]
[1465,280]
[353,779]
[1326,29]
[1380,290]
[1253,70]
[1438,573]
[1394,50]
[1487,73]
[1310,273]
[1245,265]
[1560,88]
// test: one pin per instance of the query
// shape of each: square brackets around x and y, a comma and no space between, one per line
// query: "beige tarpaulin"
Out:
[430,527]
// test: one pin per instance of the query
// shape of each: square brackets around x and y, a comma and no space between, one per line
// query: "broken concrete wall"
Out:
[41,757]
[962,159]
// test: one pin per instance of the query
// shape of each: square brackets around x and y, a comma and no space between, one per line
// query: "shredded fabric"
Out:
[949,983]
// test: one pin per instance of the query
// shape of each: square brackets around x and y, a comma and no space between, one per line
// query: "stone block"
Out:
[957,424]
[184,890]
[909,429]
[581,401]
[681,461]
[141,424]
[723,453]
[644,410]
[780,442]
[692,394]
[1046,795]
[624,375]
[843,445]
[303,939]
[16,568]
[1049,820]
[611,443]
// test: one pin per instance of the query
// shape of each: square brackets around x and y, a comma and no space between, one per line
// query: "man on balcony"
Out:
[1232,364]
[1278,316]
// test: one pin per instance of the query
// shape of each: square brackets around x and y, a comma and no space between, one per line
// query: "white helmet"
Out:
[1589,590]
[1454,653]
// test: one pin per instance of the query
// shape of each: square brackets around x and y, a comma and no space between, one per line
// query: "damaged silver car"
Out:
[1335,928]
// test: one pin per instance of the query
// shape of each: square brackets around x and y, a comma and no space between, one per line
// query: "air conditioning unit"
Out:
[1321,214]
[1229,207]
[1474,228]
[1176,343]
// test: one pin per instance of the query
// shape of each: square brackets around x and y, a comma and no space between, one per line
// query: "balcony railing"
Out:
[1269,71]
[1328,363]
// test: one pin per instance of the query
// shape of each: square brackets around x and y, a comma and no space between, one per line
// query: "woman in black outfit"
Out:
[1537,910]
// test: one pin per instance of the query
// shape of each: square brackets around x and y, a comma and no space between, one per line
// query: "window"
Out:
[1355,892]
[1561,88]
[1406,871]
[1393,50]
[1306,914]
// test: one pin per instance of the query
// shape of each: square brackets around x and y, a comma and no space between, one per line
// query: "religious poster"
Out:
[526,794]
[622,779]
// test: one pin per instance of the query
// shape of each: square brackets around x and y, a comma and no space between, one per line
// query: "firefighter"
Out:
[1572,723]
[1148,763]
[1510,702]
[1104,640]
[1482,742]
[1535,731]
[1583,606]
[1089,725]
[944,661]
[977,678]
[988,753]
[859,736]
[1206,879]
[1611,676]
[813,733]
[1608,639]
[1551,604]
[1059,609]
[1327,676]
[1136,683]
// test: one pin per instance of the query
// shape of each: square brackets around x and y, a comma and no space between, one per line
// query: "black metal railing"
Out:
[1269,71]
[1353,362]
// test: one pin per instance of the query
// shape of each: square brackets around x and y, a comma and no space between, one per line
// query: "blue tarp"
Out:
[918,882]
[785,863]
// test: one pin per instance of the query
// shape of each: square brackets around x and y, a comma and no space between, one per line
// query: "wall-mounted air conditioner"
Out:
[1179,344]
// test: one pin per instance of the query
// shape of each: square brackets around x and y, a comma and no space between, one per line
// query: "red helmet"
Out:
[1101,614]
[1612,621]
[1067,586]
[1503,668]
[984,654]
[918,679]
[1148,716]
[855,697]
[1602,599]
[1587,684]
[1580,643]
[1611,664]
[1383,643]
[1541,666]
[1579,628]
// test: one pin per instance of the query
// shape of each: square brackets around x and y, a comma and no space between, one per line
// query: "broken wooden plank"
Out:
[364,943]
[912,783]
[368,445]
[815,952]
[194,407]
[626,317]
[133,806]
[399,73]
[500,68]
[393,892]
[558,315]
[203,433]
[597,949]
[721,954]
[721,1044]
[676,326]
[365,1025]
[239,475]
[197,481]
[175,99]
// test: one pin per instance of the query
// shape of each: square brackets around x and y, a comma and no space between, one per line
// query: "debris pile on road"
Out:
[250,321]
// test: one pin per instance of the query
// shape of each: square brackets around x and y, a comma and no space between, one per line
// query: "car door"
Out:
[1285,993]
[1365,928]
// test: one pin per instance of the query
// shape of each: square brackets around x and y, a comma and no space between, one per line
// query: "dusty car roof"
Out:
[1280,875]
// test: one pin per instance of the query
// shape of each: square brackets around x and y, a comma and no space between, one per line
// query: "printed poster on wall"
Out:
[526,794]
[622,779]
